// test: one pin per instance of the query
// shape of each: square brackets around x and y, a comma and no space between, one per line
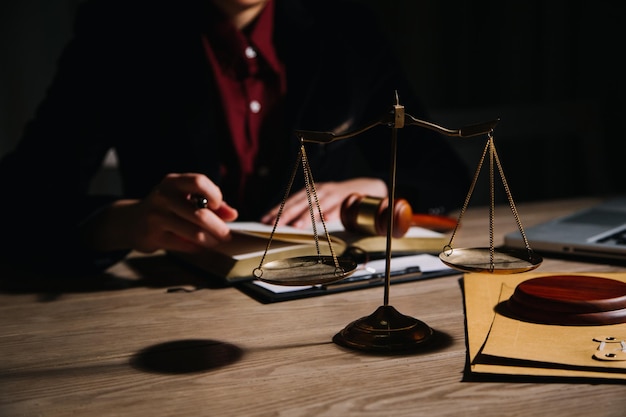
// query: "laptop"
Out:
[596,232]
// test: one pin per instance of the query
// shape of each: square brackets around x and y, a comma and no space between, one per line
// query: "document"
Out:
[235,260]
[403,269]
[504,345]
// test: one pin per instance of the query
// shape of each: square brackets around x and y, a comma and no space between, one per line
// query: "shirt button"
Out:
[250,52]
[255,106]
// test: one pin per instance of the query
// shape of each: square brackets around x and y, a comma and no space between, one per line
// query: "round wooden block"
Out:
[570,300]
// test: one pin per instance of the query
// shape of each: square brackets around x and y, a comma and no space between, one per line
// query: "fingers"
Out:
[176,222]
[210,221]
[176,231]
[182,193]
[226,212]
[296,211]
[177,189]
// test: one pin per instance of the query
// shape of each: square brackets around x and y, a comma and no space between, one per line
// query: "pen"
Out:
[200,201]
[378,277]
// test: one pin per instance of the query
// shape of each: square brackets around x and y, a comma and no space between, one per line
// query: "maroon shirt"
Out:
[251,81]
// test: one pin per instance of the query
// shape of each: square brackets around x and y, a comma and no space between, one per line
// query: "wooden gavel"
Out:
[365,214]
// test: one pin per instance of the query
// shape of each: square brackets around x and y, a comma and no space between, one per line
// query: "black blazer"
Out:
[135,78]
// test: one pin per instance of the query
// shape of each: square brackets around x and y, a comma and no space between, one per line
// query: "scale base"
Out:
[385,331]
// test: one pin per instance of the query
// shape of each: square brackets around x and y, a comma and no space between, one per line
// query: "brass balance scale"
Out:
[386,329]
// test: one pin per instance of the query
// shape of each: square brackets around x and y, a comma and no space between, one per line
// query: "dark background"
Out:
[550,70]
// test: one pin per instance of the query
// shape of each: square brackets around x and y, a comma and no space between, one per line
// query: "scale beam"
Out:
[397,119]
[391,120]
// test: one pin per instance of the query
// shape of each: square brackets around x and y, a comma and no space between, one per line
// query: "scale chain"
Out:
[310,190]
[493,157]
[258,272]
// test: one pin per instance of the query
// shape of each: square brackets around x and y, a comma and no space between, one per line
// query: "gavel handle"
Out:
[434,222]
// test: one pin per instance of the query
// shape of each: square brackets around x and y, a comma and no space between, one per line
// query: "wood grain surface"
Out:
[150,338]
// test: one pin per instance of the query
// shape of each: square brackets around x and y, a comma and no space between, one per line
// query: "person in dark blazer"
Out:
[203,98]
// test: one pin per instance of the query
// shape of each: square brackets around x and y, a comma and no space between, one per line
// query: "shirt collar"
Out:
[230,44]
[262,35]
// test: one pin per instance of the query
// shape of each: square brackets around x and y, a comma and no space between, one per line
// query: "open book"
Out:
[236,260]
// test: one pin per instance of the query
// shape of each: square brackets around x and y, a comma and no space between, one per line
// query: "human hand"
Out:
[167,218]
[330,195]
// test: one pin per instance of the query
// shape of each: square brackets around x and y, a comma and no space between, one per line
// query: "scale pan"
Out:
[305,270]
[504,261]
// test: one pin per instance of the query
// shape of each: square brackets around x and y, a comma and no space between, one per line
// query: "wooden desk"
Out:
[86,349]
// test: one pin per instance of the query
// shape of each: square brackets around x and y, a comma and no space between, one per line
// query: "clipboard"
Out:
[371,274]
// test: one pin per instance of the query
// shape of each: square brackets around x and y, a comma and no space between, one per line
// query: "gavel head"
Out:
[369,215]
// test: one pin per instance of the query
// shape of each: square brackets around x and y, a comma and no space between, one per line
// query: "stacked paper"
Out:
[500,344]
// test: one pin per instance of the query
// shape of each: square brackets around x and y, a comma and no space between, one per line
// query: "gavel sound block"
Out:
[570,300]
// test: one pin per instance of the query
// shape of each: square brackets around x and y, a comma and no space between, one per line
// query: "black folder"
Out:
[425,267]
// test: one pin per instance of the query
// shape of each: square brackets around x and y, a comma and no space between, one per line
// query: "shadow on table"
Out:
[155,271]
[186,356]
